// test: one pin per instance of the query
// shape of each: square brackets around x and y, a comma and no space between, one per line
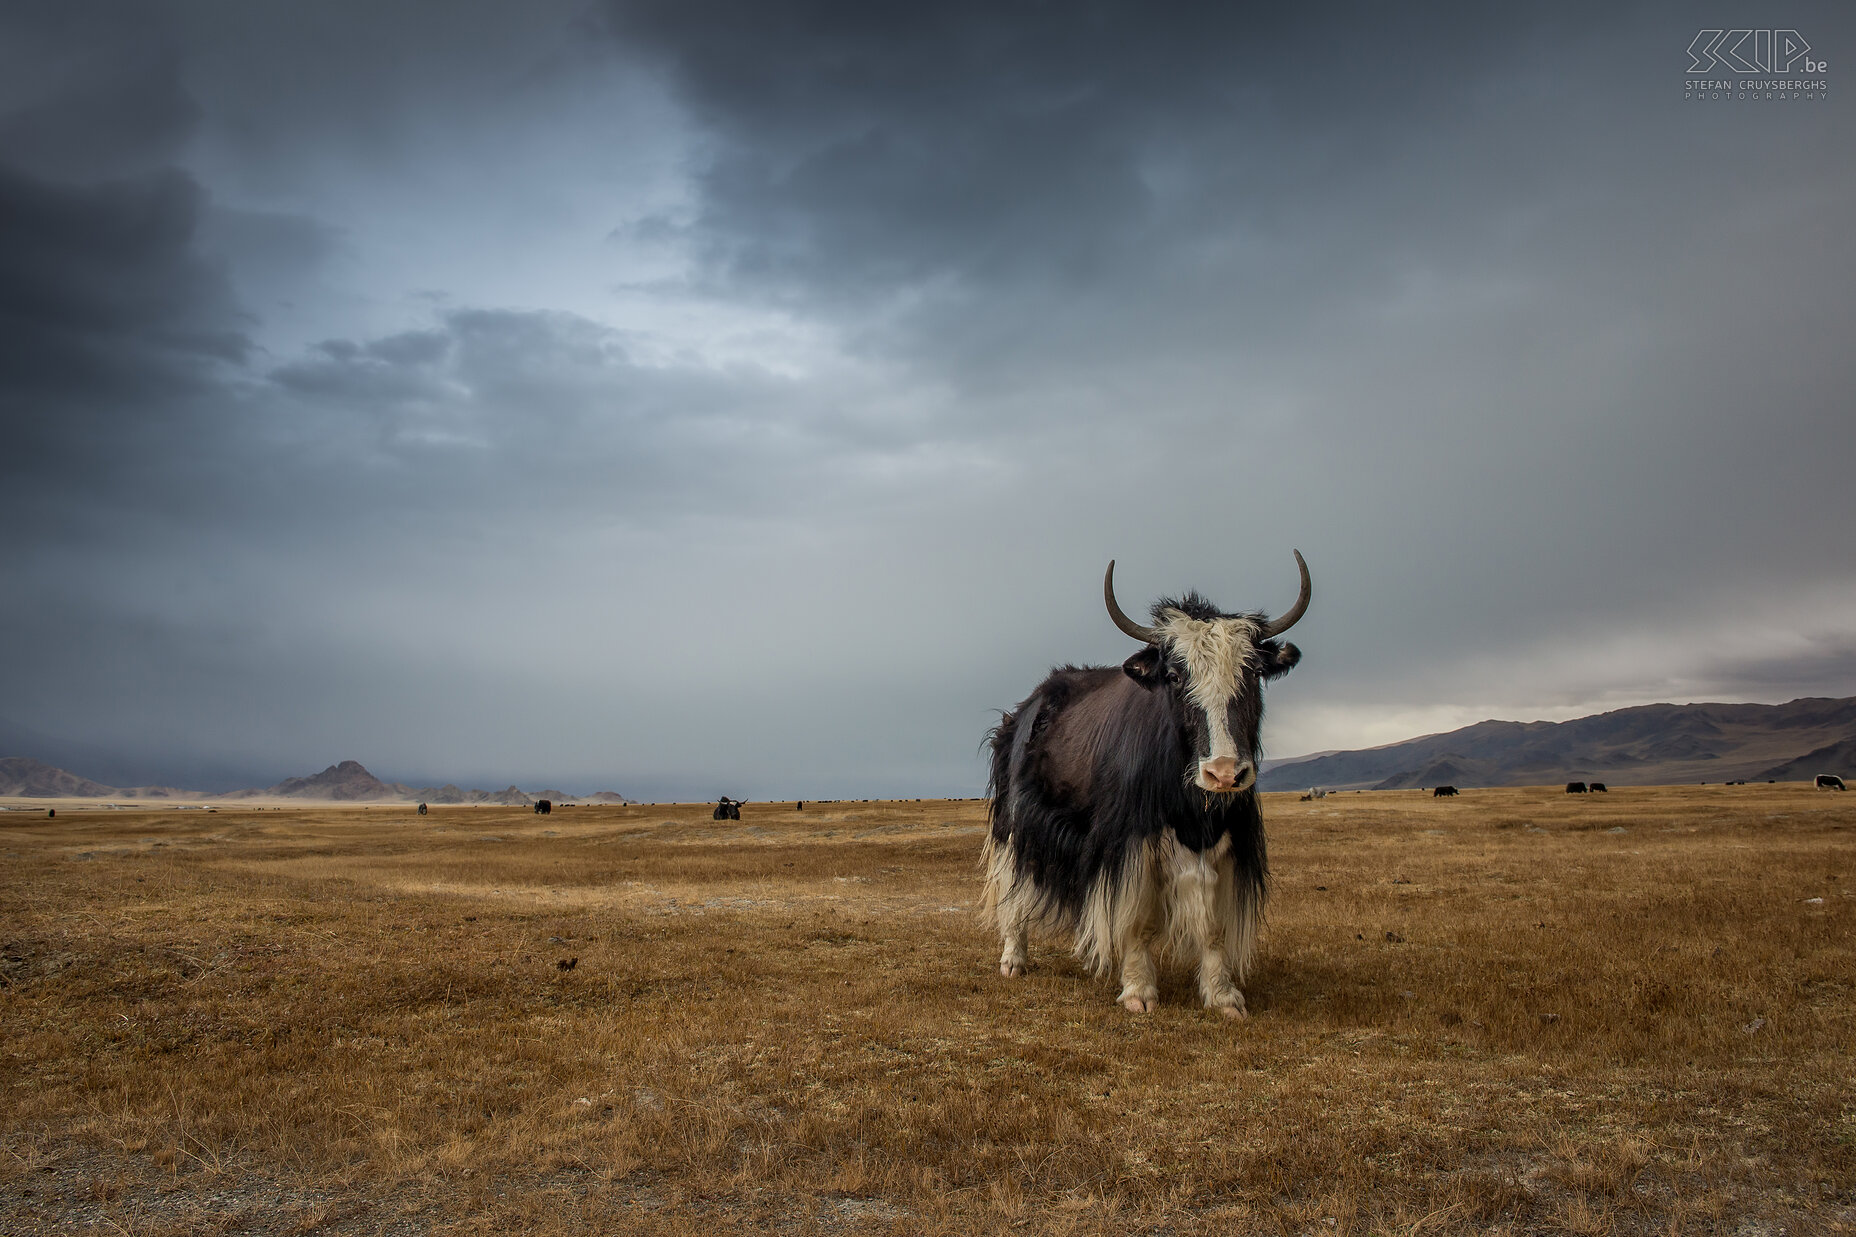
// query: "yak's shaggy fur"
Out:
[1098,830]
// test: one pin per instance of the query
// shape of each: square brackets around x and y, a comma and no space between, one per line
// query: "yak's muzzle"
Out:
[1223,775]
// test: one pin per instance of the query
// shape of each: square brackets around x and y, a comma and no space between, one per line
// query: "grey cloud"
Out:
[91,91]
[110,324]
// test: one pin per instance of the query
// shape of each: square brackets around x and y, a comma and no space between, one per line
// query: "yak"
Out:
[1830,781]
[1122,801]
[1575,788]
[544,807]
[1443,792]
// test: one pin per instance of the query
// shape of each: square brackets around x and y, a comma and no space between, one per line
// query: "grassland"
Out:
[1516,1011]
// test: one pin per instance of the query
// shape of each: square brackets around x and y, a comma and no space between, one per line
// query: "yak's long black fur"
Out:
[1064,841]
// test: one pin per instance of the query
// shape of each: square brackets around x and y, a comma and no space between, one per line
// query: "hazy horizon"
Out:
[701,397]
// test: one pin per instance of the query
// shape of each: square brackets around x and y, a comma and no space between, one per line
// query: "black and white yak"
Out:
[1123,801]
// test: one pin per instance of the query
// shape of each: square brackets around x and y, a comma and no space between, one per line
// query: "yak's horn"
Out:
[1277,626]
[1146,635]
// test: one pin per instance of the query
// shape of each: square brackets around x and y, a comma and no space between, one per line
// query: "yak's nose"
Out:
[1226,773]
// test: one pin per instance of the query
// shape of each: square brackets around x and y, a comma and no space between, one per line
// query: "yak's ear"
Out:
[1146,667]
[1281,660]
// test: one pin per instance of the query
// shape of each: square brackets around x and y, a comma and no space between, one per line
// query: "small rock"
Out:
[1754,1025]
[1814,901]
[568,964]
[1617,829]
[1549,1018]
[1395,938]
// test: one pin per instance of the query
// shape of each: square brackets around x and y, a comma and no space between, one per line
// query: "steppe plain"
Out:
[1517,1011]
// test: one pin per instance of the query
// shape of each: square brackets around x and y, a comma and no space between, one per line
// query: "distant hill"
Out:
[1837,758]
[347,782]
[340,783]
[20,775]
[1648,745]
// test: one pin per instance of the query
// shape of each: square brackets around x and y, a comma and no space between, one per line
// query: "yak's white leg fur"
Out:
[1139,991]
[1207,915]
[1005,903]
[1013,958]
[1124,919]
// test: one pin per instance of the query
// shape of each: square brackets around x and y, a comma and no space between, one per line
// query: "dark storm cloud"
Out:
[109,321]
[868,149]
[91,91]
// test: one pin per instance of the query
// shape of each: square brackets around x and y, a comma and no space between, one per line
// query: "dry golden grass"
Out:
[1514,1011]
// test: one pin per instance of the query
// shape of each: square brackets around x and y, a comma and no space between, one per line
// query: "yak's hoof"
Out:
[1139,1004]
[1011,970]
[1230,1004]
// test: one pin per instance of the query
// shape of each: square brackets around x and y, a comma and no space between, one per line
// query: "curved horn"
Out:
[1147,635]
[1276,627]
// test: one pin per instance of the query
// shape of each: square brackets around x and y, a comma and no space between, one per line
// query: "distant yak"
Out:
[1830,781]
[1443,792]
[1575,788]
[727,809]
[1598,788]
[543,807]
[422,809]
[1123,801]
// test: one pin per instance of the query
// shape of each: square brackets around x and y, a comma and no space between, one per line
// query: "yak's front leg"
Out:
[1133,911]
[1013,958]
[1217,987]
[1207,912]
[1140,993]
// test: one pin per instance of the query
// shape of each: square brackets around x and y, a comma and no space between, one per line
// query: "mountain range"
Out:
[347,782]
[1652,744]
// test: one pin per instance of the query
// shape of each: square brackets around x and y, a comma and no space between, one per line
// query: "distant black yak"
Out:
[1575,788]
[1443,792]
[543,807]
[1830,781]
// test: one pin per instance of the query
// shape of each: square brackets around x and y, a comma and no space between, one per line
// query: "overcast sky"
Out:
[686,398]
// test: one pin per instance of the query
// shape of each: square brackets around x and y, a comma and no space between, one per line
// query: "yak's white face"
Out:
[1220,656]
